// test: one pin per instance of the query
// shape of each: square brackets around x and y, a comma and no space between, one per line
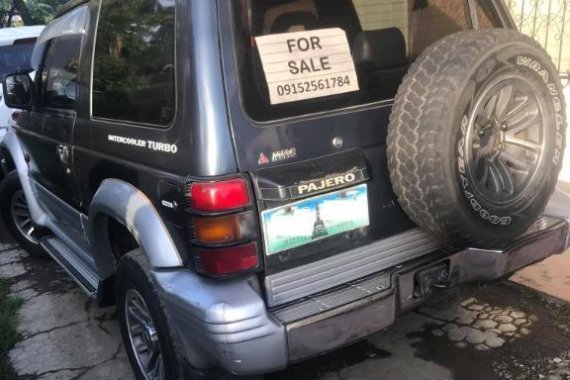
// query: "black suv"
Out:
[255,182]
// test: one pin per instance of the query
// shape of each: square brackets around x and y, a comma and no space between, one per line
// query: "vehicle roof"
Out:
[9,35]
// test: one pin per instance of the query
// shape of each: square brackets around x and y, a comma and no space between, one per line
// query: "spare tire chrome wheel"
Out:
[505,139]
[476,137]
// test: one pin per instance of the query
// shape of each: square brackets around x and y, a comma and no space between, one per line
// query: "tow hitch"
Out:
[429,279]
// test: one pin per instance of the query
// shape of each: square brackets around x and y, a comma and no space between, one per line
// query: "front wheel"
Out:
[16,214]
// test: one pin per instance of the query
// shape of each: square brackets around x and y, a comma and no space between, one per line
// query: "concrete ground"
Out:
[64,335]
[552,276]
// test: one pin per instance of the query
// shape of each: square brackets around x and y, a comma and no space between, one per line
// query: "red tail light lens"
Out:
[224,261]
[224,227]
[220,196]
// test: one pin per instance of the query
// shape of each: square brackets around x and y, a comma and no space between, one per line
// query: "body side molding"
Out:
[128,205]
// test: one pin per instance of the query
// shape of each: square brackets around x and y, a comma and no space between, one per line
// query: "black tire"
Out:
[458,119]
[10,188]
[134,274]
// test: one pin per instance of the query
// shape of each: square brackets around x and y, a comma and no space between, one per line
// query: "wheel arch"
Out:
[12,151]
[121,202]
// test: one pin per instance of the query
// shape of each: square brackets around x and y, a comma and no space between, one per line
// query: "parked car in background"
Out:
[16,46]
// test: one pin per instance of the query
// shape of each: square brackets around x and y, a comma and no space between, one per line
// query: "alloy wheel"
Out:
[21,216]
[505,139]
[143,336]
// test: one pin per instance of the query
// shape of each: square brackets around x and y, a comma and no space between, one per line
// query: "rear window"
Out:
[305,56]
[15,58]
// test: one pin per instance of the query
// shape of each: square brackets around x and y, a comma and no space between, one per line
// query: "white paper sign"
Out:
[306,65]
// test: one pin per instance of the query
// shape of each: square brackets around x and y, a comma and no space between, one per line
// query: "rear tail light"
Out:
[224,261]
[220,196]
[217,229]
[224,227]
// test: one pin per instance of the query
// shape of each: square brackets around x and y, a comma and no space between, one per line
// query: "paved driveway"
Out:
[65,336]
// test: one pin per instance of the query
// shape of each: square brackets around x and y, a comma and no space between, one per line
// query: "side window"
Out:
[59,71]
[133,69]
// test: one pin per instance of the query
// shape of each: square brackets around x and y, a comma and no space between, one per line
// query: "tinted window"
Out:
[384,37]
[15,58]
[59,71]
[133,73]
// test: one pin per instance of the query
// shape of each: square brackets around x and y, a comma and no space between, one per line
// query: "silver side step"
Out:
[295,283]
[87,280]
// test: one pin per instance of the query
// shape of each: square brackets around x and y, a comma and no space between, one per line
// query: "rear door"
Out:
[311,86]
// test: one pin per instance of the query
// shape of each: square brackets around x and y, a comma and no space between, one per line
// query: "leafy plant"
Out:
[33,12]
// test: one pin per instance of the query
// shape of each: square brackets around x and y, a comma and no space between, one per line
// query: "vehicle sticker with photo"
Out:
[315,218]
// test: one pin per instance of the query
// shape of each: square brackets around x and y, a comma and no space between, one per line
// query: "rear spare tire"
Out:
[477,135]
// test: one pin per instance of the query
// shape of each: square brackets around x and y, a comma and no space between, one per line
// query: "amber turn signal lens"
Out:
[217,229]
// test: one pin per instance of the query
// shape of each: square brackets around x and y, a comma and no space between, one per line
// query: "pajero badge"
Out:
[328,183]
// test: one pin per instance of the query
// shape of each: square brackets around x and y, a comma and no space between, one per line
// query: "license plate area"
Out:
[316,218]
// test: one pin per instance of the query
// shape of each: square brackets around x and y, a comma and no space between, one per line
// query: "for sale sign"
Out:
[306,65]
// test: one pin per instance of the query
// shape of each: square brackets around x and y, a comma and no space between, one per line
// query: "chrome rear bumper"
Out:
[228,324]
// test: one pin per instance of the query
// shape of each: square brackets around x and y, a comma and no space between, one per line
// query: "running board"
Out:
[87,280]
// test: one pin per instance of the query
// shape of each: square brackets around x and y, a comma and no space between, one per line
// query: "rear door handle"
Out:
[63,153]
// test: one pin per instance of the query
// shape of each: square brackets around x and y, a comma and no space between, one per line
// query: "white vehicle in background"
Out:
[16,45]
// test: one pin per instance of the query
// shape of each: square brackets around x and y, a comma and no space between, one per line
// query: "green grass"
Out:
[562,314]
[8,336]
